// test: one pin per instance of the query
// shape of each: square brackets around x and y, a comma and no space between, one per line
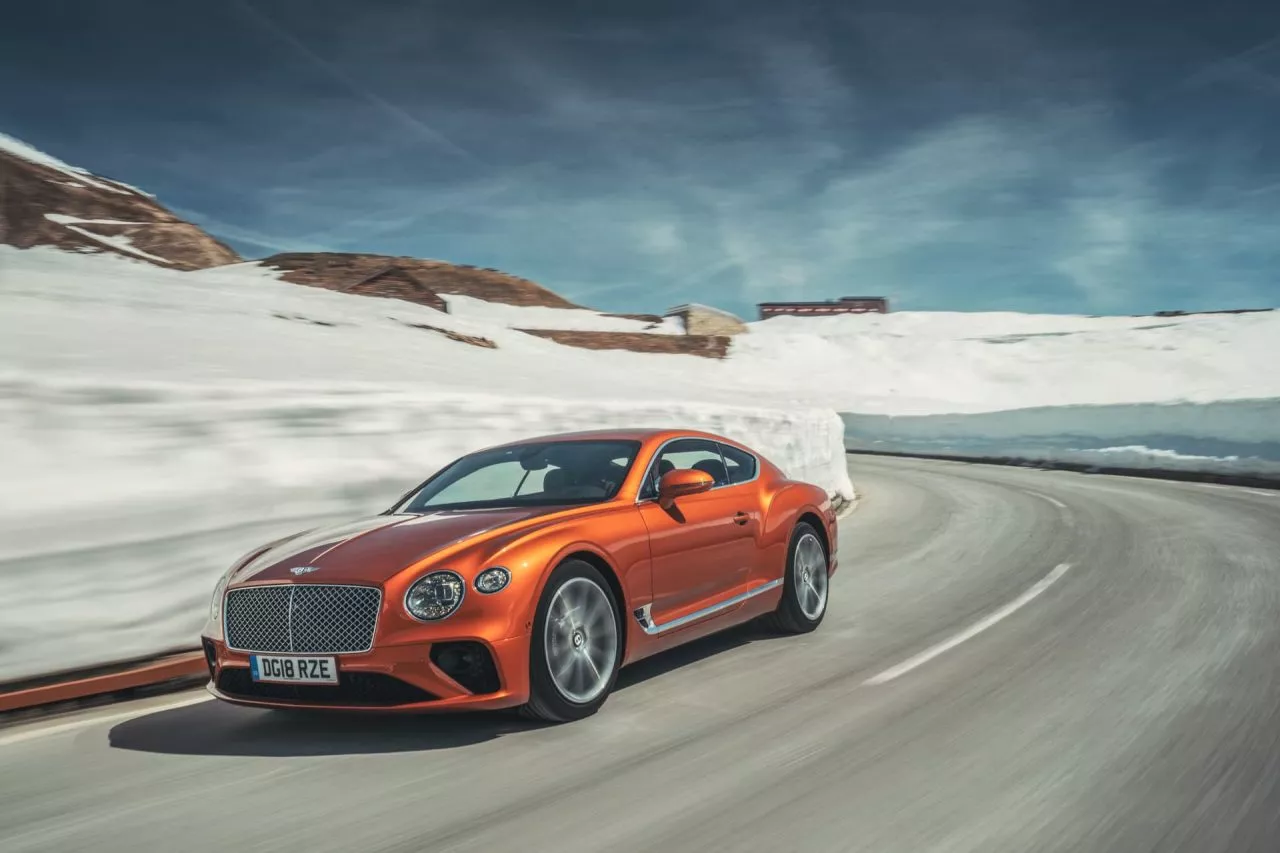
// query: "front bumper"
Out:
[411,677]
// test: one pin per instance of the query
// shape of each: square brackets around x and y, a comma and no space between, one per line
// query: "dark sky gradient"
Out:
[1089,156]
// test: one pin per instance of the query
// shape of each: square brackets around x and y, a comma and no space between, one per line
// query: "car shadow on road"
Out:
[216,728]
[691,653]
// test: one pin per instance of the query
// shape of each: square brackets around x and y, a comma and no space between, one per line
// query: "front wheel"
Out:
[805,585]
[576,648]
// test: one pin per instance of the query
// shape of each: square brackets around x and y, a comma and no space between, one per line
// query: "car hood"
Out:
[371,550]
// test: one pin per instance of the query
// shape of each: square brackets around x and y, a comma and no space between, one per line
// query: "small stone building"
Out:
[705,320]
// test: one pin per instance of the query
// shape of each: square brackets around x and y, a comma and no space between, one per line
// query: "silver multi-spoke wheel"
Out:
[581,640]
[810,567]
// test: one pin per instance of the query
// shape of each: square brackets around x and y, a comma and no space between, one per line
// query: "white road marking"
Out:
[36,730]
[973,630]
[1059,504]
[1260,492]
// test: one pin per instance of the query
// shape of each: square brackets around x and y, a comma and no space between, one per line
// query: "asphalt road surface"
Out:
[1013,660]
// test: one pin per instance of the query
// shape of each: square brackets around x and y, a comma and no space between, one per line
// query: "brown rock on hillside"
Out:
[707,346]
[414,279]
[46,203]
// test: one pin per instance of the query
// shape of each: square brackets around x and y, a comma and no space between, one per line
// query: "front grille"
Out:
[370,689]
[304,618]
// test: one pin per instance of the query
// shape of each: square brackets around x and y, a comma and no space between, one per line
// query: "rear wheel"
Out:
[576,648]
[805,585]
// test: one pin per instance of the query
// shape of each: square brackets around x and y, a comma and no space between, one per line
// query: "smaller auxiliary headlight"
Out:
[492,580]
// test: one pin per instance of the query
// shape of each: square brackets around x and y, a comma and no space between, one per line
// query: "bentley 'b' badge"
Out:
[302,570]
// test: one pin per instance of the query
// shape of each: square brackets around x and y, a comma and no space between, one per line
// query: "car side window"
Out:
[740,464]
[682,454]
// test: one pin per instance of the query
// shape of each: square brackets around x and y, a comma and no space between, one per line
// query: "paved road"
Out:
[1014,661]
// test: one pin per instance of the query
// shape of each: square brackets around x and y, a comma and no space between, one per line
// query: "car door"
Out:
[703,549]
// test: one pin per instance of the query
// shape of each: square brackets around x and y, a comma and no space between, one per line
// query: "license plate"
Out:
[294,670]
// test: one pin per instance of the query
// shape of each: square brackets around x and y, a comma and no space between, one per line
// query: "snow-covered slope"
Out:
[926,363]
[241,323]
[537,317]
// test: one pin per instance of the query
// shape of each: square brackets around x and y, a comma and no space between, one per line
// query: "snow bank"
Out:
[132,500]
[1227,437]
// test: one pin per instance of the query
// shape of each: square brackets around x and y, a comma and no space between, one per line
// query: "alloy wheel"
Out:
[581,640]
[811,579]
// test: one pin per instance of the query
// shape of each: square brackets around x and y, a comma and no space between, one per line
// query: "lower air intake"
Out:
[468,663]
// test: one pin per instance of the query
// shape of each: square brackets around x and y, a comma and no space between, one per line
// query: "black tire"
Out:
[546,702]
[789,617]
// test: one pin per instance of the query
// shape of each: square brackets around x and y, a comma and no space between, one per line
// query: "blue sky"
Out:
[1086,156]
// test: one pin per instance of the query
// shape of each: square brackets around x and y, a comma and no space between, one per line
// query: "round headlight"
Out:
[435,596]
[215,606]
[492,580]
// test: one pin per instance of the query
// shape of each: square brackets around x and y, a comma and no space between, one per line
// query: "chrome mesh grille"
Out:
[302,618]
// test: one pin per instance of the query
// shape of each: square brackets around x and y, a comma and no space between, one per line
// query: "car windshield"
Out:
[536,474]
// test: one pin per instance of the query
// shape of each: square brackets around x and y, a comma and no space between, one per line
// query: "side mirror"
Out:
[685,481]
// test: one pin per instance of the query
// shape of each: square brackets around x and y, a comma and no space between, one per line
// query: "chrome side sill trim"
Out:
[647,624]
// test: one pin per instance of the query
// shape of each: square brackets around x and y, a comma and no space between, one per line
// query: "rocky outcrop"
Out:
[363,273]
[708,346]
[473,340]
[46,203]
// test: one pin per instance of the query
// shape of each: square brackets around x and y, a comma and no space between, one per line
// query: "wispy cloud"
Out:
[338,75]
[273,243]
[986,157]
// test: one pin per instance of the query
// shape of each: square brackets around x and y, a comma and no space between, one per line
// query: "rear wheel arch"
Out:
[811,517]
[790,616]
[787,506]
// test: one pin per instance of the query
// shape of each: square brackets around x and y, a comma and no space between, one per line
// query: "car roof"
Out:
[634,434]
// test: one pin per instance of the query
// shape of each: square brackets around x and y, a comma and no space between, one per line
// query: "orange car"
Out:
[524,575]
